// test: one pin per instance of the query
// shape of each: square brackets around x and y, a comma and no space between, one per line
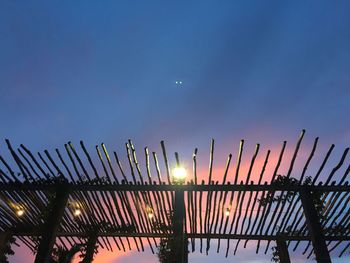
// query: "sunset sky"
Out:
[179,71]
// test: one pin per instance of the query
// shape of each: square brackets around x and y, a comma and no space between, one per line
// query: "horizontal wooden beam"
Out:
[189,187]
[189,235]
[263,237]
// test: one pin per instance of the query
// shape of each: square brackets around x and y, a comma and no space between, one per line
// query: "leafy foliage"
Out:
[7,251]
[62,255]
[165,251]
[275,256]
[282,180]
[84,249]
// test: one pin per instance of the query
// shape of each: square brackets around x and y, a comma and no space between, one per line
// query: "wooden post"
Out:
[314,227]
[90,249]
[51,226]
[178,226]
[186,250]
[4,238]
[282,250]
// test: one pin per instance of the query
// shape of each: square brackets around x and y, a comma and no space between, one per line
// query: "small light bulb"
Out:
[20,212]
[227,212]
[149,212]
[179,174]
[77,212]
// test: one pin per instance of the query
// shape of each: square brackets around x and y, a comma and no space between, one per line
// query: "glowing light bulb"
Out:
[20,212]
[149,211]
[227,212]
[179,174]
[77,212]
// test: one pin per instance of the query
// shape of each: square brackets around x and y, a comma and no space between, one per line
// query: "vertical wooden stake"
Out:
[314,227]
[51,226]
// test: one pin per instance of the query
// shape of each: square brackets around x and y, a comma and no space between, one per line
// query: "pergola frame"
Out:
[136,210]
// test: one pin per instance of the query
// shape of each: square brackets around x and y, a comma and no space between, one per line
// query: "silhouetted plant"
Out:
[275,255]
[282,180]
[62,255]
[7,251]
[165,249]
[84,249]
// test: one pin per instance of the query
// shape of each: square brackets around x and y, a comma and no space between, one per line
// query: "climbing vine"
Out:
[165,250]
[282,180]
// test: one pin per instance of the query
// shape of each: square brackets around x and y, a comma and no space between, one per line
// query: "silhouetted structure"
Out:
[50,199]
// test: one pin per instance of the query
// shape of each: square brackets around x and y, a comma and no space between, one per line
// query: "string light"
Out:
[76,208]
[20,212]
[149,212]
[77,212]
[179,174]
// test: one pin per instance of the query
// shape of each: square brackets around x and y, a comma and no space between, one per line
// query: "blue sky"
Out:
[106,71]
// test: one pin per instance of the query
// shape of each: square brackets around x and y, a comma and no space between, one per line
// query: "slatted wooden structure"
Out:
[71,197]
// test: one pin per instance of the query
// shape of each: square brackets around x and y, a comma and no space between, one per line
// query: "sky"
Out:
[179,71]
